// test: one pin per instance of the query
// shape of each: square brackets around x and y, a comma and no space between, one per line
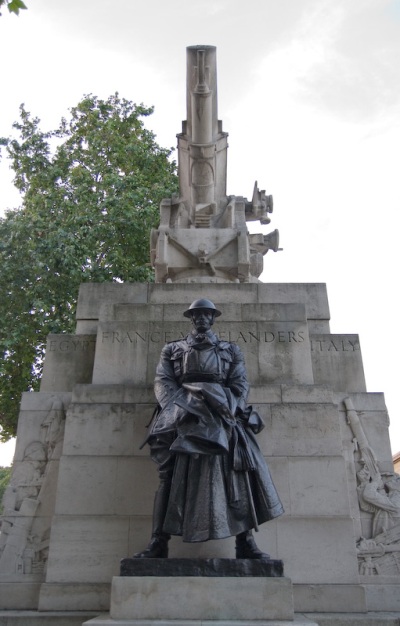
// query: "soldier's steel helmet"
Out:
[203,303]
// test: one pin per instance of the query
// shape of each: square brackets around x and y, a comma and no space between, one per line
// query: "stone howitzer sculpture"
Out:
[202,236]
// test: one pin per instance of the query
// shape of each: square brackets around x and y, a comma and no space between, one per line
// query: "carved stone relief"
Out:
[24,543]
[379,496]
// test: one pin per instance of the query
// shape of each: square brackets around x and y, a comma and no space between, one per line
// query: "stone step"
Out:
[201,598]
[355,619]
[46,618]
[107,621]
[90,618]
[309,619]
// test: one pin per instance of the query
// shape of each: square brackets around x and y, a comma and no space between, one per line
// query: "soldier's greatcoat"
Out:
[203,441]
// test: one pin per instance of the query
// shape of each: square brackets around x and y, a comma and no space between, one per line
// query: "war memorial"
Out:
[80,510]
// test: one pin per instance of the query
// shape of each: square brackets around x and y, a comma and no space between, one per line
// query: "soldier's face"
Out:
[202,319]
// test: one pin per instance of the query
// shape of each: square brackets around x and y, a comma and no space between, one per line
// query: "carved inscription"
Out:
[134,336]
[70,344]
[334,345]
[156,336]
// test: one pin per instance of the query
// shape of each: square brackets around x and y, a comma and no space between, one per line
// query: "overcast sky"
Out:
[309,92]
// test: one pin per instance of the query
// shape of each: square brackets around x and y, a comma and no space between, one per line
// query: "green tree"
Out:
[5,475]
[14,6]
[90,195]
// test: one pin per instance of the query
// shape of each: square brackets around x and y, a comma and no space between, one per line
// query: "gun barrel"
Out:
[201,99]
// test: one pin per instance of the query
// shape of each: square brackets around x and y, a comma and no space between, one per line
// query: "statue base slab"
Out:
[202,567]
[202,598]
[300,620]
[91,618]
[309,619]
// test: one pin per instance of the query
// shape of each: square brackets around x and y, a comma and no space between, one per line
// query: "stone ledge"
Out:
[201,598]
[355,619]
[202,567]
[46,618]
[74,597]
[92,295]
[362,401]
[113,394]
[106,620]
[75,618]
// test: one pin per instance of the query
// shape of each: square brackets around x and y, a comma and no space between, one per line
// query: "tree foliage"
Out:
[5,475]
[14,6]
[90,195]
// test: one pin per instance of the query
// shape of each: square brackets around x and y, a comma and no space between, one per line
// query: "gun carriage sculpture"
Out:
[202,236]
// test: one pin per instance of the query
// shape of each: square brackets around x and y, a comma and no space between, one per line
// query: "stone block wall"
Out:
[97,485]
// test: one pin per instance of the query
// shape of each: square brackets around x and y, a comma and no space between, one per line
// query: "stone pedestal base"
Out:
[299,620]
[271,568]
[201,598]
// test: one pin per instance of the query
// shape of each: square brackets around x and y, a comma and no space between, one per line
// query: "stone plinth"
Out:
[96,485]
[202,567]
[201,598]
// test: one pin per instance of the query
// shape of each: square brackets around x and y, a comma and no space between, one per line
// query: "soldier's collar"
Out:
[195,336]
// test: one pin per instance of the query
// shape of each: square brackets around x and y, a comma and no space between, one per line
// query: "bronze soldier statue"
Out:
[214,481]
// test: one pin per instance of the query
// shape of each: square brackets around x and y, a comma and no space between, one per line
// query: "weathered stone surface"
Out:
[129,394]
[306,393]
[69,361]
[75,597]
[43,401]
[265,394]
[226,598]
[104,429]
[337,362]
[92,296]
[106,485]
[275,344]
[25,595]
[312,490]
[113,394]
[302,540]
[330,598]
[302,430]
[202,567]
[238,312]
[91,552]
[371,401]
[384,596]
[313,295]
[184,293]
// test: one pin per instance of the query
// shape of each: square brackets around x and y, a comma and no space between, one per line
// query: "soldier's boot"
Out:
[158,545]
[246,547]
